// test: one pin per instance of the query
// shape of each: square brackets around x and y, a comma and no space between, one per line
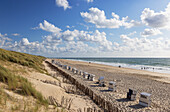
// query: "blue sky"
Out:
[86,28]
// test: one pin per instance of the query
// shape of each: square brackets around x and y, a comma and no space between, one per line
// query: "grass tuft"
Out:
[20,84]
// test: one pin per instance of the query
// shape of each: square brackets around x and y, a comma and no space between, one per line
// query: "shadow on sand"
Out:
[106,90]
[123,100]
[94,85]
[137,106]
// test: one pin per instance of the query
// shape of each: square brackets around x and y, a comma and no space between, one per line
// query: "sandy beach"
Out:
[157,84]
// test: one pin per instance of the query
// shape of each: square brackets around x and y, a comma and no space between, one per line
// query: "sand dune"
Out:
[79,101]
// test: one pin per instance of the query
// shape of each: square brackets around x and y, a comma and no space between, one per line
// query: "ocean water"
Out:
[161,65]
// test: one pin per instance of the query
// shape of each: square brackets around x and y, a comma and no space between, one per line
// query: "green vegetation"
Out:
[23,59]
[20,85]
[17,83]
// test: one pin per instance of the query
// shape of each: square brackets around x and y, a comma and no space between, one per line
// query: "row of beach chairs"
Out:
[145,98]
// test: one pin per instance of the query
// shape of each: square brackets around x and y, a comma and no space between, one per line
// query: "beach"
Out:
[55,87]
[157,84]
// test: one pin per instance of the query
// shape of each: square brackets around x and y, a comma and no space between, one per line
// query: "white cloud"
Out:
[132,23]
[74,47]
[115,15]
[151,32]
[143,45]
[3,40]
[63,3]
[89,1]
[87,26]
[67,26]
[16,34]
[25,41]
[1,35]
[63,42]
[53,45]
[49,27]
[87,43]
[84,36]
[76,35]
[69,35]
[97,17]
[51,40]
[156,19]
[22,46]
[28,47]
[132,33]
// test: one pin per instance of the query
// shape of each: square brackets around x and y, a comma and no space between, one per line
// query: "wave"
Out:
[159,69]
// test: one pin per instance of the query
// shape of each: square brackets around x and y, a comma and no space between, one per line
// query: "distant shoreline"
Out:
[150,68]
[163,77]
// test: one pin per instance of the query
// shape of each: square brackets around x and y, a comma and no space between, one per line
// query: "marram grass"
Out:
[17,83]
[20,85]
[23,59]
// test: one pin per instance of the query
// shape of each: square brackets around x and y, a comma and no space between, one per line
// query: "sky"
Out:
[86,28]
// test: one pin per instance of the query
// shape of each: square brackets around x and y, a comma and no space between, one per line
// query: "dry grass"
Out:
[13,65]
[19,85]
[28,104]
[9,59]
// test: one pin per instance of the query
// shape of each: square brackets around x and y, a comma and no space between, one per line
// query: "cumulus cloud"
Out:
[3,35]
[49,27]
[52,45]
[63,42]
[70,42]
[76,35]
[67,26]
[22,46]
[89,1]
[86,26]
[16,34]
[97,17]
[156,19]
[130,24]
[74,47]
[28,47]
[132,33]
[63,3]
[51,40]
[142,45]
[84,36]
[69,35]
[4,40]
[151,32]
[25,41]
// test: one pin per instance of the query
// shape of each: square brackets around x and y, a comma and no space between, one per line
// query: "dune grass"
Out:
[17,83]
[20,85]
[23,59]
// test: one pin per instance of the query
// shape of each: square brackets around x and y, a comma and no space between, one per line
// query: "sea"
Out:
[160,65]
